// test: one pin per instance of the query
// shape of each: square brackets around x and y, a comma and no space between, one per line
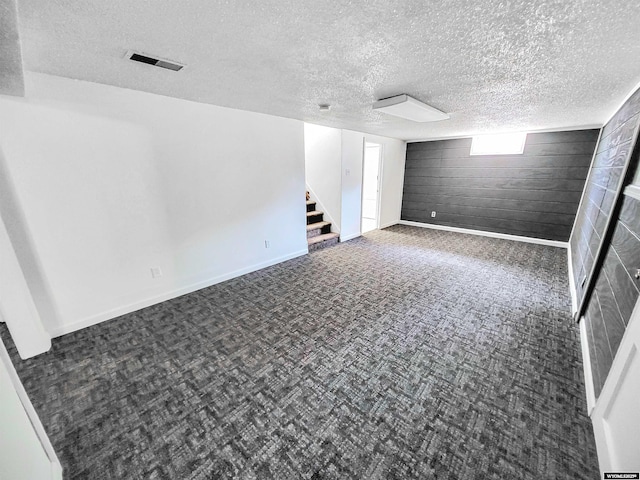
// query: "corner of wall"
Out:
[323,167]
[16,304]
[184,191]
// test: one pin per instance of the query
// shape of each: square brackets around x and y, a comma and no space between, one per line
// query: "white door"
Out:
[370,187]
[616,416]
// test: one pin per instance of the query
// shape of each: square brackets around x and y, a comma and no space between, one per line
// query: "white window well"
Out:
[499,144]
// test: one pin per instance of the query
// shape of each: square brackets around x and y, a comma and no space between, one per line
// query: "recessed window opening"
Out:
[498,144]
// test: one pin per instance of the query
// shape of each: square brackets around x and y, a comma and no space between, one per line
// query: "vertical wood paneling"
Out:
[593,356]
[615,291]
[603,183]
[601,344]
[535,194]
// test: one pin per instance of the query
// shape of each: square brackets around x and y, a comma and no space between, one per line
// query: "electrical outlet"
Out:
[433,214]
[267,244]
[156,272]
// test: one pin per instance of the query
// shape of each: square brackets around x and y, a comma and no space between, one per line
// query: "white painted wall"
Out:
[25,450]
[352,157]
[392,171]
[394,154]
[323,158]
[112,182]
[333,160]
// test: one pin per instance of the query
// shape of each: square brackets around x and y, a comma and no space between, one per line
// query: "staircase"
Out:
[319,234]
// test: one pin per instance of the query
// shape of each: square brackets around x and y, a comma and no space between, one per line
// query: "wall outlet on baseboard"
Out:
[156,272]
[267,244]
[433,214]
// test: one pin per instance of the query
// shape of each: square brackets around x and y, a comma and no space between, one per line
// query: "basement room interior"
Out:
[319,240]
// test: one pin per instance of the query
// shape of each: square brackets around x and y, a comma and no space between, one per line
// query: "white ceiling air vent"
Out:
[157,62]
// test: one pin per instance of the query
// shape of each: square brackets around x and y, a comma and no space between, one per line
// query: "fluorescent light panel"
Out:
[404,106]
[498,144]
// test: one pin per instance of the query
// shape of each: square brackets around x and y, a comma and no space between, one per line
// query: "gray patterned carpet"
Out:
[405,354]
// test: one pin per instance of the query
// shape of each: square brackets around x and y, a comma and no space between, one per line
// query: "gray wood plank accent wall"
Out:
[615,294]
[615,290]
[601,189]
[535,194]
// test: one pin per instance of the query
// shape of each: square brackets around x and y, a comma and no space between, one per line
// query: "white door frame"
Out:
[616,415]
[379,182]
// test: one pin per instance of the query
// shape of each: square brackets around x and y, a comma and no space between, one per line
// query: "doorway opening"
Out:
[371,187]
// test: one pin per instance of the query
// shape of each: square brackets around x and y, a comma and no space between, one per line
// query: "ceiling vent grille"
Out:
[157,62]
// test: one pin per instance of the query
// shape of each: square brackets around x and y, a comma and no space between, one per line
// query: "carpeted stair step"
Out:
[311,205]
[314,216]
[319,228]
[319,233]
[322,241]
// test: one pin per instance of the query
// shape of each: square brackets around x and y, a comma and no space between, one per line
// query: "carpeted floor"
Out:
[405,354]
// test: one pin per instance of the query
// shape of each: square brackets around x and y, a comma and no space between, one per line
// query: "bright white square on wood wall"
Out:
[498,144]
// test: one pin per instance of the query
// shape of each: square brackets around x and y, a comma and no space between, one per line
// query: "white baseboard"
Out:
[632,191]
[390,224]
[572,286]
[147,302]
[482,233]
[349,237]
[586,365]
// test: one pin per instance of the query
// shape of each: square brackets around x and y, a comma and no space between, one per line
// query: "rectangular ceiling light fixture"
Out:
[404,106]
[156,62]
[498,144]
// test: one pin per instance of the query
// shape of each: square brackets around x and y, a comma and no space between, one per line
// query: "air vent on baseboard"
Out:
[157,62]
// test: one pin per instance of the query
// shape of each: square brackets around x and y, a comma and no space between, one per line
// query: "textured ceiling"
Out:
[11,77]
[492,65]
